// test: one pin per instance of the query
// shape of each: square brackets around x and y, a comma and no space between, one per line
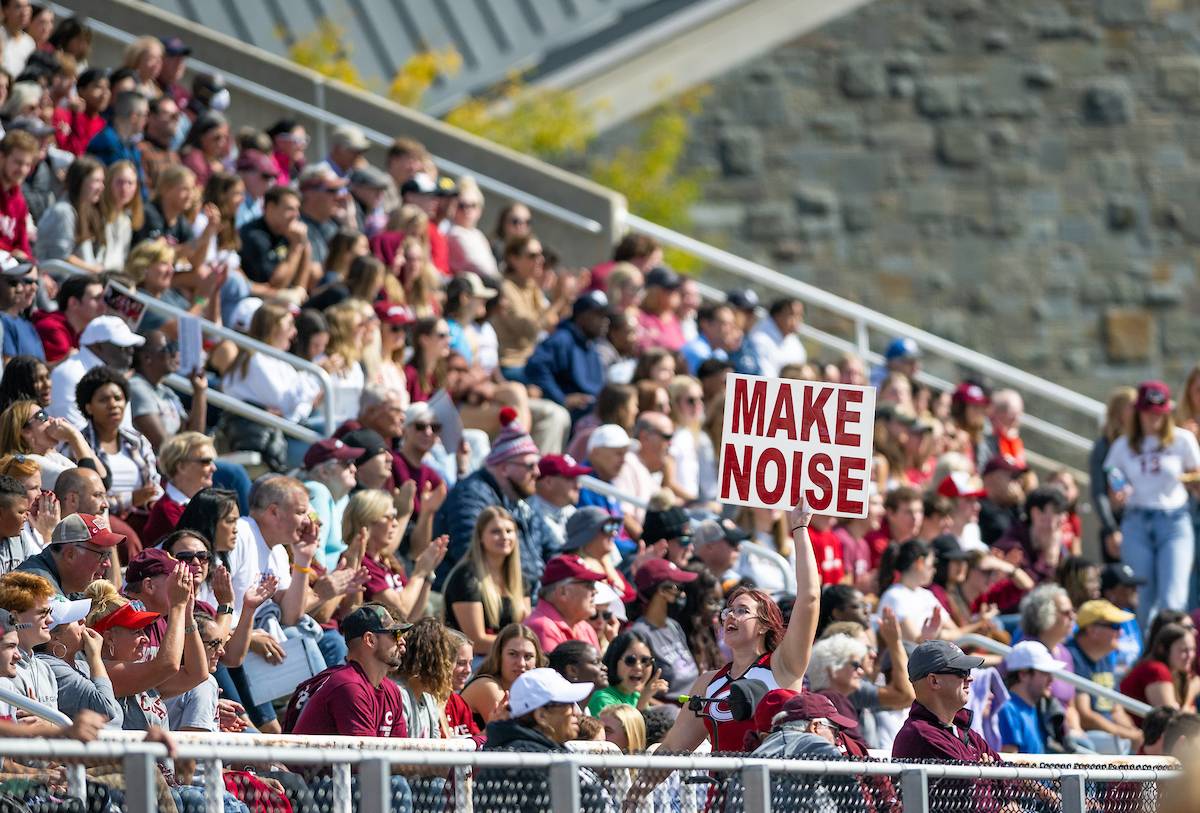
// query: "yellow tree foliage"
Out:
[327,52]
[539,121]
[419,72]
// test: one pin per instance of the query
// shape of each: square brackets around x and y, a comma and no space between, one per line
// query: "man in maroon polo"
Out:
[937,726]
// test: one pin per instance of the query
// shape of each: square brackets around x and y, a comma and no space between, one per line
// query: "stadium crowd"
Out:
[437,568]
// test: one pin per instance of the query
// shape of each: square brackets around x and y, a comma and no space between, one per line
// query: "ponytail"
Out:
[898,558]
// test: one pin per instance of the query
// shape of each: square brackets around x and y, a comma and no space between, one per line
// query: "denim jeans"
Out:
[1160,546]
[333,648]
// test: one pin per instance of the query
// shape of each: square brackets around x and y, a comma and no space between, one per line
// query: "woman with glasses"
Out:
[151,267]
[1047,615]
[590,535]
[660,586]
[470,249]
[26,429]
[526,312]
[188,461]
[485,593]
[133,480]
[633,676]
[514,220]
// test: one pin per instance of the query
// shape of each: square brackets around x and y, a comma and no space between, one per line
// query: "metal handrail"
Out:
[50,715]
[245,342]
[259,91]
[1081,683]
[864,317]
[229,404]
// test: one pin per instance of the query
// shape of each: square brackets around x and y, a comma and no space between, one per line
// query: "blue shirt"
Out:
[1020,726]
[1102,672]
[699,350]
[1129,647]
[458,340]
[21,338]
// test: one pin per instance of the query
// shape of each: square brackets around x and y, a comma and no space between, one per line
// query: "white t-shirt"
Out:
[126,476]
[907,602]
[1153,474]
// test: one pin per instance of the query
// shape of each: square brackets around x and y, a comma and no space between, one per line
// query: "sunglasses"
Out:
[691,400]
[189,556]
[634,660]
[519,221]
[203,461]
[17,283]
[961,674]
[168,349]
[527,466]
[612,527]
[38,417]
[606,615]
[421,426]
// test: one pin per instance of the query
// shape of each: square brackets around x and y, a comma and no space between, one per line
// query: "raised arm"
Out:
[791,658]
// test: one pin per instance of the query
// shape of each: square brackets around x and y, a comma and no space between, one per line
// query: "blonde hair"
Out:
[19,466]
[475,561]
[178,448]
[411,220]
[633,723]
[171,176]
[1118,401]
[106,600]
[108,206]
[676,387]
[1187,411]
[12,426]
[423,284]
[146,254]
[343,319]
[365,508]
[264,322]
[138,50]
[621,275]
[469,189]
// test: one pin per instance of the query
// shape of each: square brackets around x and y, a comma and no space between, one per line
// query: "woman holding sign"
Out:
[762,650]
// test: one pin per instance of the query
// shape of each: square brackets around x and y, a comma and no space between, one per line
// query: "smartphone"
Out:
[1117,481]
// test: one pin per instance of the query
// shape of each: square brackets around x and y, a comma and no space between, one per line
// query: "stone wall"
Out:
[1020,176]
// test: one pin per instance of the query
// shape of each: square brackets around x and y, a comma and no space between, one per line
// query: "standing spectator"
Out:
[566,366]
[157,146]
[77,125]
[276,257]
[20,281]
[1094,651]
[469,247]
[19,151]
[484,592]
[1005,440]
[16,45]
[118,141]
[566,602]
[775,339]
[1022,719]
[557,492]
[1158,541]
[660,327]
[1120,585]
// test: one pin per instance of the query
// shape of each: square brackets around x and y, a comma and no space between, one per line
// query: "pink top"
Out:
[660,331]
[552,630]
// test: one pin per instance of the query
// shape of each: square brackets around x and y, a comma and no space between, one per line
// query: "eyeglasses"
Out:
[203,461]
[634,660]
[214,644]
[611,527]
[671,587]
[519,221]
[17,283]
[684,540]
[102,555]
[188,556]
[691,400]
[423,427]
[660,435]
[527,466]
[740,613]
[468,204]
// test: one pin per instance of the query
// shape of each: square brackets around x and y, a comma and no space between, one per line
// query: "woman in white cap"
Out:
[543,715]
[79,687]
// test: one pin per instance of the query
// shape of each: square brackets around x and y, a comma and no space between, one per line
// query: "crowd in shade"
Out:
[511,533]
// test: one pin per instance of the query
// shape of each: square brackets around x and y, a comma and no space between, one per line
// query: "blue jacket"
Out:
[463,506]
[108,149]
[566,362]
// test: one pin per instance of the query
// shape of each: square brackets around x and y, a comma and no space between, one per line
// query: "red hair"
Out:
[769,614]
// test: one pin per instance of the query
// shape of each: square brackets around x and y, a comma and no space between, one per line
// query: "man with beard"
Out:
[508,479]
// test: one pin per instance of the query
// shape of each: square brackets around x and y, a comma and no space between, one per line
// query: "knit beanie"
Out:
[513,440]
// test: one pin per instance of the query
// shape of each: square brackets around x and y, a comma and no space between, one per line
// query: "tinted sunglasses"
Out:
[634,660]
[422,426]
[961,674]
[189,556]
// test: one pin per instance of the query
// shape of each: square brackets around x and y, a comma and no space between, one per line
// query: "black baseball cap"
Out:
[946,547]
[936,657]
[1119,575]
[370,617]
[662,277]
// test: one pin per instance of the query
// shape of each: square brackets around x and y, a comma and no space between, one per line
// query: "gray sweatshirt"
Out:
[78,691]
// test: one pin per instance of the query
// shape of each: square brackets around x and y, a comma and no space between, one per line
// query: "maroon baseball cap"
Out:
[560,465]
[150,562]
[813,706]
[771,704]
[391,313]
[1154,396]
[971,393]
[330,449]
[562,568]
[1002,463]
[656,571]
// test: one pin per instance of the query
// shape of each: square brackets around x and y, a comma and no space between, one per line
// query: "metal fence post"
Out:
[756,789]
[564,786]
[214,786]
[76,780]
[1074,795]
[341,788]
[141,794]
[463,779]
[914,790]
[374,786]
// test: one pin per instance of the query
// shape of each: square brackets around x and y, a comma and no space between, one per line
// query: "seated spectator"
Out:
[514,220]
[940,674]
[466,302]
[346,147]
[1023,719]
[367,189]
[133,479]
[72,230]
[557,492]
[634,251]
[26,430]
[1080,577]
[209,93]
[206,147]
[76,125]
[633,679]
[1046,616]
[566,366]
[458,713]
[14,510]
[580,662]
[607,447]
[323,198]
[717,548]
[329,476]
[691,448]
[515,651]
[276,256]
[904,511]
[668,534]
[268,382]
[118,140]
[144,56]
[1093,650]
[1164,676]
[425,374]
[615,404]
[659,586]
[157,146]
[908,569]
[188,461]
[372,468]
[25,378]
[151,267]
[17,295]
[484,592]
[43,505]
[1120,585]
[469,248]
[426,677]
[258,173]
[969,416]
[420,436]
[589,535]
[618,350]
[344,357]
[565,603]
[288,143]
[80,300]
[71,643]
[716,325]
[526,311]
[166,216]
[78,553]
[508,478]
[1037,545]
[158,412]
[775,340]
[121,207]
[425,192]
[1001,506]
[660,326]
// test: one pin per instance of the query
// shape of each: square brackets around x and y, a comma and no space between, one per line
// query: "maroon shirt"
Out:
[74,129]
[14,217]
[924,736]
[346,703]
[403,471]
[57,335]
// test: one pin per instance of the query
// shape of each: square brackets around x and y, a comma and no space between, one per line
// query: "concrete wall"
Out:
[1022,176]
[235,58]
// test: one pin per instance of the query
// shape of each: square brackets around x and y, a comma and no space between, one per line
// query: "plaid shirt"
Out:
[134,445]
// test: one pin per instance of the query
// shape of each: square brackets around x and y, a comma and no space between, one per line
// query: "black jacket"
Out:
[527,790]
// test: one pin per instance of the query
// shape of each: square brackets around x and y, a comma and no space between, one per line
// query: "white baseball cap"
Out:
[111,329]
[611,436]
[243,312]
[1030,655]
[606,596]
[65,611]
[538,687]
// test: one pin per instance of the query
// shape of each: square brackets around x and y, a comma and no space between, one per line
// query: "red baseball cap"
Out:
[330,449]
[961,485]
[131,616]
[971,393]
[1154,397]
[392,314]
[656,571]
[85,528]
[560,465]
[562,568]
[771,704]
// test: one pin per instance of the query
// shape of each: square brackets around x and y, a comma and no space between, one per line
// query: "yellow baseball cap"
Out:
[1100,611]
